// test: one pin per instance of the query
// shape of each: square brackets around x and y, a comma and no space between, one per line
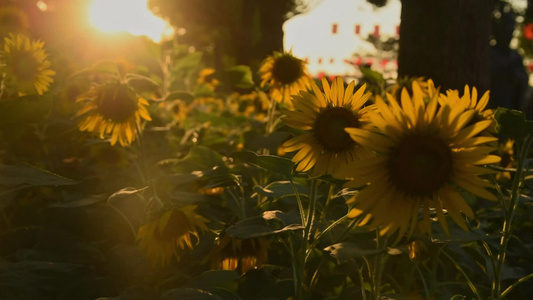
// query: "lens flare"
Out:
[132,16]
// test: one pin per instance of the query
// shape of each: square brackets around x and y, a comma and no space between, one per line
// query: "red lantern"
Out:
[528,31]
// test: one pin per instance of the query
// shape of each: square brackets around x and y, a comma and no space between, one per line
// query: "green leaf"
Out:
[179,95]
[141,83]
[180,198]
[225,279]
[87,201]
[278,189]
[459,235]
[346,251]
[18,175]
[199,158]
[512,123]
[28,279]
[203,90]
[217,177]
[125,192]
[270,223]
[104,66]
[188,294]
[240,76]
[129,205]
[370,74]
[270,163]
[27,109]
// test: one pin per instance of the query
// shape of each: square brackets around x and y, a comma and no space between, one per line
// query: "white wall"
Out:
[310,35]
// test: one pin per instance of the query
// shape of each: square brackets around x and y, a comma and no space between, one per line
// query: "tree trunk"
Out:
[272,19]
[447,41]
[244,33]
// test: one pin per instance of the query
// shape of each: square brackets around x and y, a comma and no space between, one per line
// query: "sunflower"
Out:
[160,238]
[113,108]
[206,77]
[469,100]
[407,83]
[25,66]
[426,155]
[506,151]
[323,116]
[285,74]
[245,254]
[253,104]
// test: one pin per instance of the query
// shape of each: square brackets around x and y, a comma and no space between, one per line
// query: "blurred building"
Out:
[337,35]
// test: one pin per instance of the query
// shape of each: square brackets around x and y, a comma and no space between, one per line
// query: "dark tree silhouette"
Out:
[235,31]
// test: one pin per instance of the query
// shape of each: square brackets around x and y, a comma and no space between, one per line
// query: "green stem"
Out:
[426,290]
[361,280]
[125,218]
[143,168]
[311,211]
[491,256]
[377,268]
[271,113]
[299,201]
[328,200]
[509,211]
[297,271]
[315,242]
[306,236]
[458,267]
[515,284]
[290,249]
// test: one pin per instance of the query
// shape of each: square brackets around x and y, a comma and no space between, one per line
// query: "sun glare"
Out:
[131,16]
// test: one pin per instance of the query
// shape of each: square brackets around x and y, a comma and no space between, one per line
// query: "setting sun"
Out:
[131,16]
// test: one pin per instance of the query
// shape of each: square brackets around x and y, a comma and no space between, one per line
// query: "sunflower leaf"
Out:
[278,189]
[199,158]
[203,90]
[23,174]
[188,294]
[270,163]
[179,95]
[270,223]
[240,76]
[512,123]
[216,278]
[141,83]
[27,109]
[346,251]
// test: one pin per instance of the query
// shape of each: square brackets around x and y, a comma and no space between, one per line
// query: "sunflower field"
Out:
[149,175]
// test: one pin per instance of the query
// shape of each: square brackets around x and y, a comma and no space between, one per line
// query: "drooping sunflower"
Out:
[244,254]
[25,66]
[175,228]
[285,75]
[425,156]
[325,145]
[114,109]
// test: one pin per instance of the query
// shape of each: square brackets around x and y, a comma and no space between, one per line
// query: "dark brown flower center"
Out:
[420,165]
[287,69]
[329,128]
[176,226]
[117,102]
[25,66]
